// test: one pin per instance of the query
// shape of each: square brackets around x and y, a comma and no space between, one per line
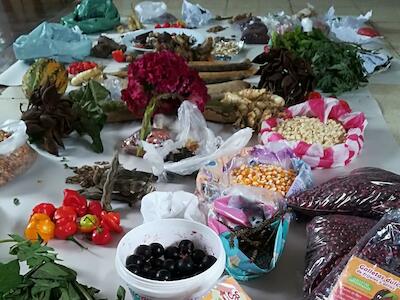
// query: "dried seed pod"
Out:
[286,75]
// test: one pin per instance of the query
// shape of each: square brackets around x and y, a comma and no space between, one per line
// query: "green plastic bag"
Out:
[93,16]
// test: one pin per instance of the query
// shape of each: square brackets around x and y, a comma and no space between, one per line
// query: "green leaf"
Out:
[50,270]
[121,293]
[9,276]
[91,117]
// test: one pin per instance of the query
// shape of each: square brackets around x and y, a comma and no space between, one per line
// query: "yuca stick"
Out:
[217,77]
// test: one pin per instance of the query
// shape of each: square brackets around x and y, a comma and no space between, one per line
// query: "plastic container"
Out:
[169,232]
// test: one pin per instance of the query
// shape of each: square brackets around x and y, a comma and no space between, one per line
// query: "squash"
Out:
[45,72]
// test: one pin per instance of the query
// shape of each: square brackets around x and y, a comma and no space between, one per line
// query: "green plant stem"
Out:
[146,122]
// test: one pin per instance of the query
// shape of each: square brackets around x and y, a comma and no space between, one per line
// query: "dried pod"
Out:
[286,75]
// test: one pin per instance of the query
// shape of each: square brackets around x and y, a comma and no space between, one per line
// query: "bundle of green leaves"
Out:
[336,65]
[46,279]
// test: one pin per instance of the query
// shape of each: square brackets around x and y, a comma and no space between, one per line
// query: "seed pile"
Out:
[312,131]
[4,135]
[270,177]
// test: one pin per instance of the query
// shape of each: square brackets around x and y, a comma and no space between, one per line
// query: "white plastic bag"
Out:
[18,136]
[192,126]
[148,10]
[194,15]
[165,205]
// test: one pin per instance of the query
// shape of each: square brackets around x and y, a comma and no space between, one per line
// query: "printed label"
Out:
[362,280]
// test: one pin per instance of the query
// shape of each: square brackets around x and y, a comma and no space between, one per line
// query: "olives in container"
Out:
[173,262]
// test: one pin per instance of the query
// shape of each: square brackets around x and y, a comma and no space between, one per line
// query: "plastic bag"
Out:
[16,156]
[148,10]
[371,269]
[194,15]
[93,16]
[53,40]
[374,61]
[345,28]
[192,126]
[329,239]
[315,154]
[216,175]
[164,205]
[226,288]
[261,220]
[366,192]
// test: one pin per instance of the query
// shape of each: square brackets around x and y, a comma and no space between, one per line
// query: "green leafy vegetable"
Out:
[335,64]
[90,115]
[45,280]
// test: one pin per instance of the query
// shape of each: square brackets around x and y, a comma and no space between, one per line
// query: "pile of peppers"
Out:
[76,215]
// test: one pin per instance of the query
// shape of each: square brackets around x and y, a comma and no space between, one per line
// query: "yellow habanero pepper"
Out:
[40,224]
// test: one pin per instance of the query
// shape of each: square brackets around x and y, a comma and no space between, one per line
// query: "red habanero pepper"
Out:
[76,200]
[65,213]
[65,229]
[95,208]
[44,208]
[88,223]
[111,220]
[118,55]
[101,236]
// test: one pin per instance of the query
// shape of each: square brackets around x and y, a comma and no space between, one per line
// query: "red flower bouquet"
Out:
[161,73]
[157,83]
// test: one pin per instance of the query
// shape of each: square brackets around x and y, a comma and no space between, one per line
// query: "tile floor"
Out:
[19,16]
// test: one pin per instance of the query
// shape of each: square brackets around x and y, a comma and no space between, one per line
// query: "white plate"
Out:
[130,36]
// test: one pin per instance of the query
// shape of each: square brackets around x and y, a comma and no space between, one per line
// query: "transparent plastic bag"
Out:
[329,239]
[53,40]
[214,177]
[365,192]
[194,15]
[93,16]
[377,255]
[16,156]
[148,10]
[191,126]
[226,288]
[242,209]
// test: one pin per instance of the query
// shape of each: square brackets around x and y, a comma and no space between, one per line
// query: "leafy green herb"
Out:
[16,201]
[45,280]
[90,116]
[335,64]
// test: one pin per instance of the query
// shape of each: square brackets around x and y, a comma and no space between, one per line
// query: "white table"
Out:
[45,181]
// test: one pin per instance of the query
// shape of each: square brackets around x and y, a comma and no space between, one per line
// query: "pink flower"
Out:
[159,73]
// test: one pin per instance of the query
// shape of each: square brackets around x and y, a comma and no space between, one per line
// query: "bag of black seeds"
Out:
[365,192]
[329,239]
[372,268]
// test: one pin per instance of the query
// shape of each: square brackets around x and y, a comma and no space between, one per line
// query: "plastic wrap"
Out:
[252,228]
[216,175]
[16,156]
[315,154]
[194,15]
[329,239]
[191,126]
[93,16]
[226,288]
[366,192]
[372,268]
[51,40]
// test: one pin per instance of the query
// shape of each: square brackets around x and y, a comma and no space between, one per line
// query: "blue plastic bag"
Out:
[52,40]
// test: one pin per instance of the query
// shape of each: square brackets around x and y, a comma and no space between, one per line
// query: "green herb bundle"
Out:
[335,64]
[46,278]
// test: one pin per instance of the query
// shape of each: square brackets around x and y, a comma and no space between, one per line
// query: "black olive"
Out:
[163,275]
[157,250]
[171,252]
[143,250]
[134,260]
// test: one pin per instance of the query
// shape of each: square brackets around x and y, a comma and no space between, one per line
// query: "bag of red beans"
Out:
[329,239]
[372,268]
[365,192]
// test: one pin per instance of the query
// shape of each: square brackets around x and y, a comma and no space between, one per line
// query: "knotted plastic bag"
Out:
[55,41]
[93,16]
[194,15]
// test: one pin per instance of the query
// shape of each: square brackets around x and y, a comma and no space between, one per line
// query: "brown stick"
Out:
[217,77]
[220,66]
